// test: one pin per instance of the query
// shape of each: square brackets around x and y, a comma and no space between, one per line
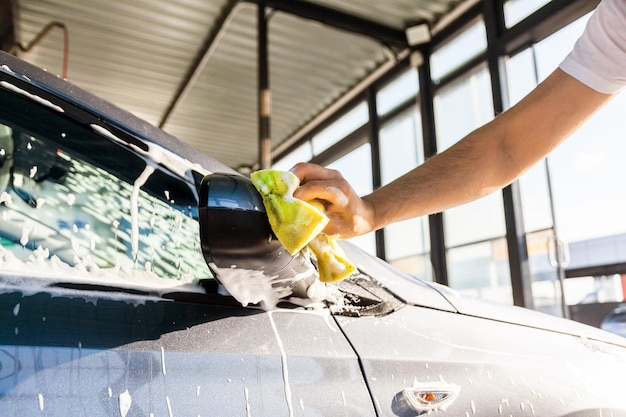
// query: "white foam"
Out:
[158,155]
[39,271]
[134,208]
[125,402]
[33,97]
[283,359]
[251,286]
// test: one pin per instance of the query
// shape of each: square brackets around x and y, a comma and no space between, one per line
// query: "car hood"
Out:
[415,292]
[523,316]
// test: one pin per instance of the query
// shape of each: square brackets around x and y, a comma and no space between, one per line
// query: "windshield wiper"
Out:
[362,296]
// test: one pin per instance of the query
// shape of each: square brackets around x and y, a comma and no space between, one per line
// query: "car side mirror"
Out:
[235,232]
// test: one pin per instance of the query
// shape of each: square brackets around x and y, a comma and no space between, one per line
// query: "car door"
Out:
[75,353]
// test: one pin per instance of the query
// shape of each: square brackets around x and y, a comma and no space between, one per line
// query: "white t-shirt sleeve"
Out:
[599,56]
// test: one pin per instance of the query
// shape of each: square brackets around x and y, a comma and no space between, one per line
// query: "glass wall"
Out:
[462,47]
[398,91]
[517,10]
[356,168]
[573,200]
[576,196]
[341,128]
[474,232]
[407,243]
[304,152]
[476,251]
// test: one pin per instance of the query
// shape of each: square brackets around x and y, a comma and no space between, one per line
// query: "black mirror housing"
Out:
[234,230]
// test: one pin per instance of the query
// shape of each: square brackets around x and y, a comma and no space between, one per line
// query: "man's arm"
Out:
[486,160]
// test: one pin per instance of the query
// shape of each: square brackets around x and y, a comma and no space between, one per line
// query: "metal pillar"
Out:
[374,139]
[521,282]
[435,221]
[265,148]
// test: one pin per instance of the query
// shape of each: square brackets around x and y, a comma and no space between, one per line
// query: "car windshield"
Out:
[71,198]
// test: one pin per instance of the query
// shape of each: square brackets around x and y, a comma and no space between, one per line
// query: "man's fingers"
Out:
[312,172]
[322,190]
[319,183]
[341,202]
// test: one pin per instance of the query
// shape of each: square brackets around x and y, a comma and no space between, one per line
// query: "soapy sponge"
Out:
[294,222]
[298,224]
[332,263]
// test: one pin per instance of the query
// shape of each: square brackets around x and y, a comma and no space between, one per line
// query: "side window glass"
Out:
[72,200]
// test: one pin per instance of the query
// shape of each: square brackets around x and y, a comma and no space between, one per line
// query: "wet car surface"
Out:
[109,306]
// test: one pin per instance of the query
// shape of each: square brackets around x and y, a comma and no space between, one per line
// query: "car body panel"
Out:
[615,321]
[516,315]
[75,341]
[408,288]
[62,354]
[501,369]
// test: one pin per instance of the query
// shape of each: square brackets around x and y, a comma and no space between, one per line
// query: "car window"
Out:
[70,195]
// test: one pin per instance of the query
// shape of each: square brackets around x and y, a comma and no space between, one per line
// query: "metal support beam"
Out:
[265,146]
[374,139]
[554,15]
[331,17]
[435,221]
[521,282]
[7,29]
[200,61]
[340,20]
[40,36]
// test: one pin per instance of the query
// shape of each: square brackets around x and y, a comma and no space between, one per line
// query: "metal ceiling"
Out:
[140,55]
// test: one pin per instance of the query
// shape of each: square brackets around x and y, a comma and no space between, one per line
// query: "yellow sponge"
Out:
[294,222]
[332,263]
[297,223]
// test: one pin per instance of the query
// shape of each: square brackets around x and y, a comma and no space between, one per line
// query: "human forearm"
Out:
[492,156]
[484,161]
[461,174]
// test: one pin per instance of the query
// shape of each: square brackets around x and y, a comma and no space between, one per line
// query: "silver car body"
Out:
[383,343]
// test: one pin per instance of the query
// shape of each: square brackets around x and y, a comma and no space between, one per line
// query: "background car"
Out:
[615,321]
[111,300]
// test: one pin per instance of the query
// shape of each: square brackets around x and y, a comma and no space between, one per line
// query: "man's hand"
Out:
[349,214]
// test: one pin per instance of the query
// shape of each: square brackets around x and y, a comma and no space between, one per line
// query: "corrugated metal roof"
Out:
[136,55]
